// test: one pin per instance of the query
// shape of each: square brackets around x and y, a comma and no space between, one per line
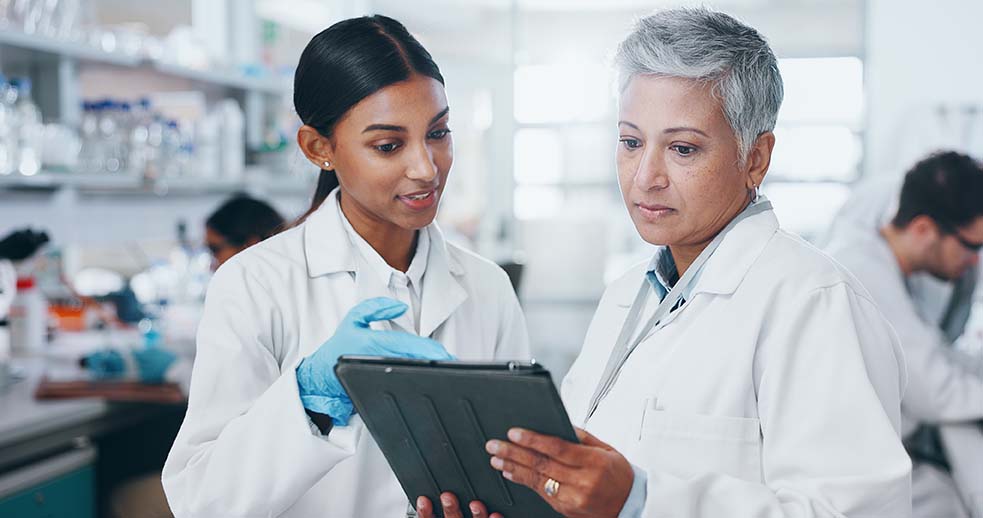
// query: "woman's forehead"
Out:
[418,98]
[669,100]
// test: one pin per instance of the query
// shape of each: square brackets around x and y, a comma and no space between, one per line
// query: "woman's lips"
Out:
[654,211]
[420,200]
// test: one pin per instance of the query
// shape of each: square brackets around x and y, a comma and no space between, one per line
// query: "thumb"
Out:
[373,310]
[589,440]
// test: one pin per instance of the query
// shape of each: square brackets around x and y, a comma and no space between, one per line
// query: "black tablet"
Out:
[431,420]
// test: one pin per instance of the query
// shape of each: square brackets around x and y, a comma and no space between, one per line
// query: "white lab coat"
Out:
[247,448]
[942,388]
[773,392]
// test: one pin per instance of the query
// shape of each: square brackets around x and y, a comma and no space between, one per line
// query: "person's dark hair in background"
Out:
[21,244]
[240,222]
[947,187]
[347,63]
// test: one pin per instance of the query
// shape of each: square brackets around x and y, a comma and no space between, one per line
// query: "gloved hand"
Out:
[105,364]
[152,363]
[320,390]
[21,244]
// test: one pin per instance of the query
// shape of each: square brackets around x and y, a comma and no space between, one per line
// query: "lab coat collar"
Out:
[443,290]
[328,251]
[725,270]
[736,254]
[326,244]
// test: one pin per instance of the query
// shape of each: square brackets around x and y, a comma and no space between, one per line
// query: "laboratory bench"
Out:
[62,458]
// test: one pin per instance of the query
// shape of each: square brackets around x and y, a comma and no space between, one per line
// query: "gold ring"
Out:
[551,487]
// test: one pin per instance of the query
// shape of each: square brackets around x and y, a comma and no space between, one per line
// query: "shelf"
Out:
[83,52]
[257,181]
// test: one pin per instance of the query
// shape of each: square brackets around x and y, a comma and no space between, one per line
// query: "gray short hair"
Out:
[712,47]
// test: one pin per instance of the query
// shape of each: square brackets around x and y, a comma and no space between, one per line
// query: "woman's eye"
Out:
[387,148]
[683,150]
[631,143]
[439,134]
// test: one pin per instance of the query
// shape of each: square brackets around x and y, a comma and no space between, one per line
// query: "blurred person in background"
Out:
[237,224]
[936,230]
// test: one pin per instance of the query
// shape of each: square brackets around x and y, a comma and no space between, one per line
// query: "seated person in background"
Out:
[937,230]
[238,224]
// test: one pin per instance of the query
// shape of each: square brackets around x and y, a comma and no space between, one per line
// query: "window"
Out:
[819,149]
[564,141]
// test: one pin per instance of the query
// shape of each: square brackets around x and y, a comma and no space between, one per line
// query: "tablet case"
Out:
[432,419]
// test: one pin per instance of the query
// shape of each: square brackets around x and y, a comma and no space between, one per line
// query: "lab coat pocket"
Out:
[688,445]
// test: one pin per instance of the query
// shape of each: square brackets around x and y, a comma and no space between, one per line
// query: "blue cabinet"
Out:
[59,487]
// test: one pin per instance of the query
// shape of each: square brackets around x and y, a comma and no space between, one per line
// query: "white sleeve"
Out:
[963,444]
[940,389]
[829,390]
[513,335]
[246,447]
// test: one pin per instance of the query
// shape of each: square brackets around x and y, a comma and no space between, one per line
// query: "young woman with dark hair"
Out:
[269,430]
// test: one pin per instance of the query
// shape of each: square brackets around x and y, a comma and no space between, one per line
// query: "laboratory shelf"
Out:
[257,181]
[80,51]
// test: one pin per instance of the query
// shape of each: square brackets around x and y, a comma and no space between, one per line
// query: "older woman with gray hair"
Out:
[740,372]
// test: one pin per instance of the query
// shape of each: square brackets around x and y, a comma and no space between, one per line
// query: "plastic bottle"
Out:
[170,150]
[30,130]
[124,124]
[233,145]
[28,318]
[140,150]
[8,128]
[109,134]
[90,155]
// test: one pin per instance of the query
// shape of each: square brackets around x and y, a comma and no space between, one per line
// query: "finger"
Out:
[506,455]
[405,345]
[563,451]
[451,508]
[537,482]
[372,310]
[478,509]
[424,509]
[587,439]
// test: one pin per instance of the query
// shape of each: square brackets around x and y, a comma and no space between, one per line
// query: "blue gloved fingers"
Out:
[405,345]
[340,409]
[375,309]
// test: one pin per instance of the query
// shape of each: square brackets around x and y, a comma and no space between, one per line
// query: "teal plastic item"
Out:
[152,363]
[71,495]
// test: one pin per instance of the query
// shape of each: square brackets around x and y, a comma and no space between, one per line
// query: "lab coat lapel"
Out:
[368,286]
[442,289]
[725,270]
[326,245]
[329,250]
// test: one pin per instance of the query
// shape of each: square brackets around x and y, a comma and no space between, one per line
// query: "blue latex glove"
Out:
[105,364]
[152,363]
[320,390]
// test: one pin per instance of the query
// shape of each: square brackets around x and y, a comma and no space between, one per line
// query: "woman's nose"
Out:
[422,166]
[651,174]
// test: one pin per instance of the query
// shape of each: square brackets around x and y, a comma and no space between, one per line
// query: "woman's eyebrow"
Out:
[394,127]
[440,115]
[679,129]
[684,129]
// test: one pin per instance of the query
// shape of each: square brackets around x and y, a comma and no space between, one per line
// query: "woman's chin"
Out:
[656,233]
